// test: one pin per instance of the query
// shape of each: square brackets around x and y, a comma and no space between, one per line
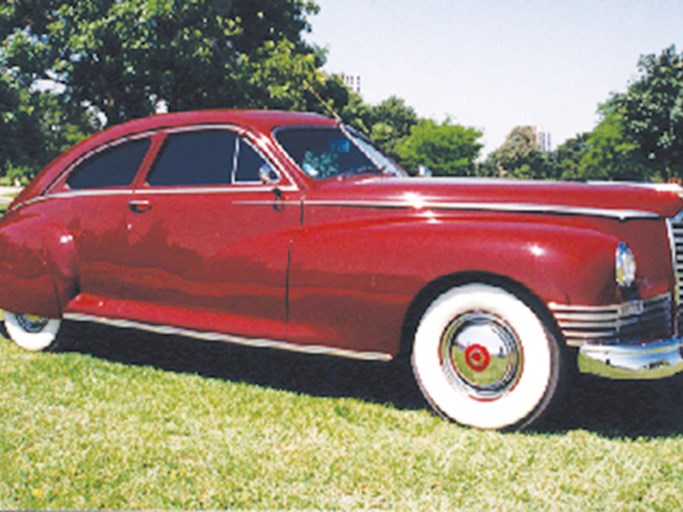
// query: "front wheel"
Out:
[31,332]
[483,358]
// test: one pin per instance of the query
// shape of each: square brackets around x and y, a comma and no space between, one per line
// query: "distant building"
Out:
[544,140]
[352,82]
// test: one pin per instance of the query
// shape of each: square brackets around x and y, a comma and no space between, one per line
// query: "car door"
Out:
[90,200]
[208,242]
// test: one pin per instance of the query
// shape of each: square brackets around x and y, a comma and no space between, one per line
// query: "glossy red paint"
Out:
[336,262]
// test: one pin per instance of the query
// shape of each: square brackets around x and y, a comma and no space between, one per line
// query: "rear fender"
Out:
[38,265]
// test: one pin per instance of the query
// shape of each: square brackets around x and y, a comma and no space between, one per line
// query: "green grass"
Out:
[132,421]
[5,204]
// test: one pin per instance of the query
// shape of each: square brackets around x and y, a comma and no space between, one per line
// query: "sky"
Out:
[496,64]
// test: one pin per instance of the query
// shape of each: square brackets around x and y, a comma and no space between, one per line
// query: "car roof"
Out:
[263,120]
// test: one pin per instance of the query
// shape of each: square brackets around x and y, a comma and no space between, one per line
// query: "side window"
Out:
[113,167]
[248,164]
[195,158]
[323,152]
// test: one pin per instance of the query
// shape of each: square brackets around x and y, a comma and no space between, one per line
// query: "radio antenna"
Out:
[317,96]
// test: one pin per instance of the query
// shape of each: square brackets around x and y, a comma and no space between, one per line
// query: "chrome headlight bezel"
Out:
[625,266]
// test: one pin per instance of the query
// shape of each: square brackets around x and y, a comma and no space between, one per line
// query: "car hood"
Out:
[619,200]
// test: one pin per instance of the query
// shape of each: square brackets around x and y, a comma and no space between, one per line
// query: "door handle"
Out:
[139,205]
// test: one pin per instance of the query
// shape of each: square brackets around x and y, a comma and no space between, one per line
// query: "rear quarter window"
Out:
[112,167]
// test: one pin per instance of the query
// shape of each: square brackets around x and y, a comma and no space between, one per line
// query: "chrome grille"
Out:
[676,230]
[631,322]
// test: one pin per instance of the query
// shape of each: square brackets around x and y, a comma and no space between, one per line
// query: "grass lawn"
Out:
[5,202]
[136,421]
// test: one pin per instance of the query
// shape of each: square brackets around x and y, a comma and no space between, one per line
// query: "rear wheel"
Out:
[32,332]
[483,358]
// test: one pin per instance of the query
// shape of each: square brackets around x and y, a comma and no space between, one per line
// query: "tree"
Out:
[107,61]
[33,128]
[78,66]
[565,160]
[610,154]
[652,109]
[19,130]
[121,57]
[386,123]
[447,148]
[604,153]
[519,156]
[390,121]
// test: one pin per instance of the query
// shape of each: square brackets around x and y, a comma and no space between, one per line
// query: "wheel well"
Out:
[432,290]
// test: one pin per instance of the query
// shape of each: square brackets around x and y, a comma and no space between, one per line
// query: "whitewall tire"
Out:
[483,358]
[31,332]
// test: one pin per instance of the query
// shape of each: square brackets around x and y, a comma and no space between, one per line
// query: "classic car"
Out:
[292,231]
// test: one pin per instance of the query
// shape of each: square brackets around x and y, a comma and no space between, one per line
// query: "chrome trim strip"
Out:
[626,323]
[81,193]
[227,189]
[659,187]
[89,193]
[400,204]
[417,204]
[231,127]
[228,338]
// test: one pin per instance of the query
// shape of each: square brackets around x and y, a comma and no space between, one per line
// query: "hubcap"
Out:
[481,354]
[32,323]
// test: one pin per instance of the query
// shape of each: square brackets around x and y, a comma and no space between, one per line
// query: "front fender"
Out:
[38,267]
[558,263]
[373,271]
[568,261]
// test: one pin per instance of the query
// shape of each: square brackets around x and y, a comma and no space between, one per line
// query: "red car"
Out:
[292,231]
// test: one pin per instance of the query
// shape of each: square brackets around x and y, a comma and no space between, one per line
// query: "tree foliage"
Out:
[19,131]
[387,123]
[68,68]
[565,161]
[610,154]
[519,156]
[448,149]
[640,134]
[33,128]
[121,57]
[652,110]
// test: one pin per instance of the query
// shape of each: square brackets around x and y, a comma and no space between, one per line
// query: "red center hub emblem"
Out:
[477,357]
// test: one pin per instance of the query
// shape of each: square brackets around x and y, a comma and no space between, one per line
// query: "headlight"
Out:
[625,266]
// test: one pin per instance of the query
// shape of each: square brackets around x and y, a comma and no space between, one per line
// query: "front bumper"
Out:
[609,338]
[653,360]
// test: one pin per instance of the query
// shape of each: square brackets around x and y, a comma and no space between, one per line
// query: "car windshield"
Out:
[329,152]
